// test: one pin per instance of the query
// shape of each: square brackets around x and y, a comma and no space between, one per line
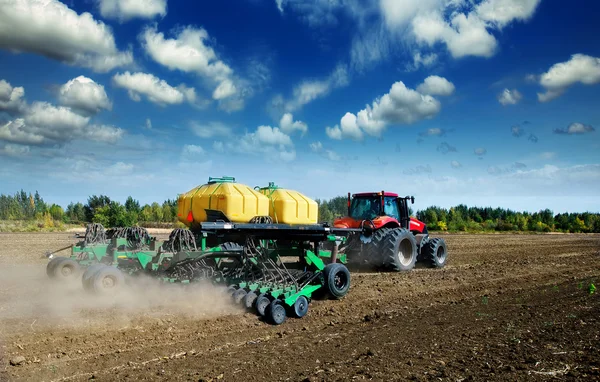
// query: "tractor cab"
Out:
[381,208]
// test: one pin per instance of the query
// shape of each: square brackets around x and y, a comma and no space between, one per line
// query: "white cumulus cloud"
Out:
[12,99]
[288,125]
[465,29]
[576,128]
[580,68]
[400,106]
[85,95]
[125,10]
[509,97]
[43,123]
[436,85]
[311,89]
[192,150]
[156,90]
[51,29]
[14,150]
[189,52]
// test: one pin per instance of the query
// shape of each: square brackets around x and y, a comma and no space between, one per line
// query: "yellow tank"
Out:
[238,201]
[290,207]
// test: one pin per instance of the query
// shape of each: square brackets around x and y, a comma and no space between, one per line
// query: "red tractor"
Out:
[398,240]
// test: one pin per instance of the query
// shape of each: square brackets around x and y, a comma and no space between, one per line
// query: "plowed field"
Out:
[505,308]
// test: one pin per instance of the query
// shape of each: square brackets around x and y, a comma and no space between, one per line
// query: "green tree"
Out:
[94,202]
[56,212]
[132,205]
[157,212]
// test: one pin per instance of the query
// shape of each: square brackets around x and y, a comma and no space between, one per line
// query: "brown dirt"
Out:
[506,307]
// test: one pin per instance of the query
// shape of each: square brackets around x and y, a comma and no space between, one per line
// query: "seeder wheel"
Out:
[63,269]
[106,280]
[250,299]
[89,272]
[337,280]
[300,307]
[239,295]
[52,264]
[261,304]
[276,312]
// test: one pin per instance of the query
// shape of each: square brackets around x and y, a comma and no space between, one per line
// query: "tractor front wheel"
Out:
[435,253]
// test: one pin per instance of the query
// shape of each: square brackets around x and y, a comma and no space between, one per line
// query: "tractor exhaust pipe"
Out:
[348,204]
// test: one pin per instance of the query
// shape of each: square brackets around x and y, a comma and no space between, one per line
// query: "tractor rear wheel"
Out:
[373,249]
[435,253]
[399,250]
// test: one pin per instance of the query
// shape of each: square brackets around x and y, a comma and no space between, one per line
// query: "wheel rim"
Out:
[440,253]
[340,280]
[278,313]
[301,306]
[108,282]
[405,253]
[262,305]
[66,271]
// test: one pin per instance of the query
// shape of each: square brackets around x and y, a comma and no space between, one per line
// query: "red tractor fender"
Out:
[417,225]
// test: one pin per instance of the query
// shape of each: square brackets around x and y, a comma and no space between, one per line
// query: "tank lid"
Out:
[223,179]
[271,186]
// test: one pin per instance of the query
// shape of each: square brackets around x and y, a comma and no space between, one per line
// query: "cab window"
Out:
[390,207]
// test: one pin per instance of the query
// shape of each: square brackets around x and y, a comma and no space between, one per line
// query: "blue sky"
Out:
[486,102]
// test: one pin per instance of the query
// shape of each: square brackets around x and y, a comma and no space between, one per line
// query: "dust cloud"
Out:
[28,299]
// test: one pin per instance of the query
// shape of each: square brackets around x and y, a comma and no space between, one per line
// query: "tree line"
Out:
[482,219]
[111,213]
[98,209]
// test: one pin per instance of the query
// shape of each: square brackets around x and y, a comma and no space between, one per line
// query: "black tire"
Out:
[372,250]
[421,248]
[276,313]
[239,295]
[300,307]
[231,290]
[399,250]
[435,253]
[89,272]
[261,304]
[250,299]
[66,269]
[106,280]
[353,249]
[231,246]
[337,280]
[52,264]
